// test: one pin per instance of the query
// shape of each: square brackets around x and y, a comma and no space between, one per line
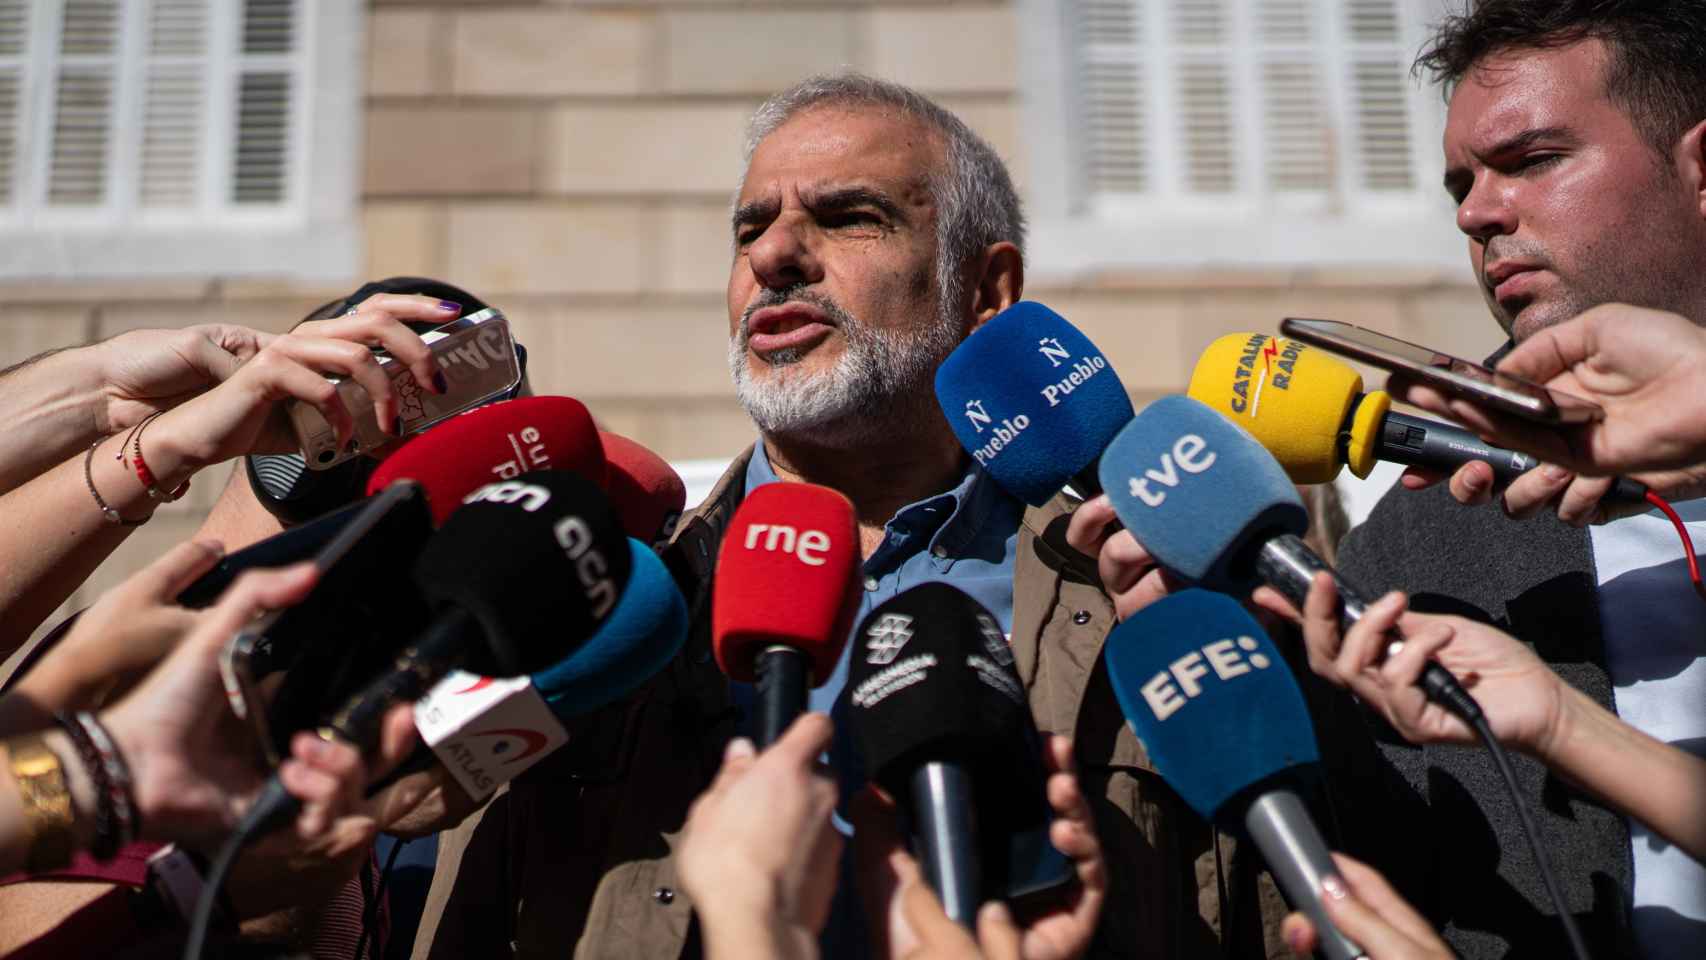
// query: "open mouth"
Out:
[788,326]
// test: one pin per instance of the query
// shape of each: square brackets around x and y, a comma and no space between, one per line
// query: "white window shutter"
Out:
[1379,78]
[264,99]
[173,103]
[1203,86]
[14,30]
[1297,153]
[1113,106]
[83,104]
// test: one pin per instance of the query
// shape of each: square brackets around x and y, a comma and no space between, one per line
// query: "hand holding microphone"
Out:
[1366,908]
[1645,368]
[759,852]
[1527,705]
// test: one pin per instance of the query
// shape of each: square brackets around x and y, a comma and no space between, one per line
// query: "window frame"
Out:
[1073,234]
[315,235]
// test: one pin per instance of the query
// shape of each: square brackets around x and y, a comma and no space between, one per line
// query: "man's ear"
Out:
[1690,158]
[999,283]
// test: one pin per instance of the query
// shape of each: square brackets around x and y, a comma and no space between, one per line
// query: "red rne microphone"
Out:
[499,441]
[645,490]
[784,594]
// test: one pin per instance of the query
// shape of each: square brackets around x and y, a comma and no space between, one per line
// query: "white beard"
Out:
[878,378]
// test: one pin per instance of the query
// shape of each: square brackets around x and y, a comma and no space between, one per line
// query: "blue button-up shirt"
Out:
[965,537]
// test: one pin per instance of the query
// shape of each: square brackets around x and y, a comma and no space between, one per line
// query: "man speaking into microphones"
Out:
[872,234]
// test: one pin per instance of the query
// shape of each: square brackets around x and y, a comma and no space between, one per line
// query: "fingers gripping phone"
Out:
[475,353]
[291,667]
[1500,392]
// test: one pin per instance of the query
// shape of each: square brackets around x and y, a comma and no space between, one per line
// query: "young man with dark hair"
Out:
[1575,150]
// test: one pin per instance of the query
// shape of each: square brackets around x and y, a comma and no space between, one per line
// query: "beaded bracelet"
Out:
[146,475]
[111,515]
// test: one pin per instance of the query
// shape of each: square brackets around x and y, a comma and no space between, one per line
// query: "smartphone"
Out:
[1500,392]
[292,667]
[477,356]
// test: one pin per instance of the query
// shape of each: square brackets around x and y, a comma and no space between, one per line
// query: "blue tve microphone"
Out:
[1033,401]
[1226,726]
[1212,506]
[643,633]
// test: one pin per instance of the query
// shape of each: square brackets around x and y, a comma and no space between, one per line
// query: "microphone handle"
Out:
[417,668]
[423,663]
[1442,448]
[944,835]
[784,676]
[1297,857]
[1287,564]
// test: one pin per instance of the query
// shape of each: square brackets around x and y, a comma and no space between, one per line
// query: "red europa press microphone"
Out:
[784,595]
[645,490]
[499,441]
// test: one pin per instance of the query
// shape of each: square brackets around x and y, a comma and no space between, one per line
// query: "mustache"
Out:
[1509,248]
[776,297]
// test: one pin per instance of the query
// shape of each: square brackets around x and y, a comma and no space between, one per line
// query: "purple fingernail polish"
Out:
[450,306]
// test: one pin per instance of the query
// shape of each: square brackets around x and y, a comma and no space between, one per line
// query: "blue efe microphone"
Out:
[1212,506]
[1225,724]
[1033,401]
[643,633]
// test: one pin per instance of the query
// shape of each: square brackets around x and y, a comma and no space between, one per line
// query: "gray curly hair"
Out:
[976,205]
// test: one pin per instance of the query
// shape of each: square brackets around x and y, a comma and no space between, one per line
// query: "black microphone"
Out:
[944,727]
[1443,448]
[522,572]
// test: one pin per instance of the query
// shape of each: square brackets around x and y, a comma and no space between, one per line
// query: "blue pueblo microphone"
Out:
[1033,401]
[1215,508]
[1225,724]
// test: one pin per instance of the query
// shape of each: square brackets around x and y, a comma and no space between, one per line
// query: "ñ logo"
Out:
[976,414]
[1050,347]
[886,637]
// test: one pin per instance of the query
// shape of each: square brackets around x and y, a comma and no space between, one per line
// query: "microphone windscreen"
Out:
[787,573]
[645,490]
[1210,696]
[1032,400]
[540,561]
[642,634]
[931,678]
[499,441]
[1199,493]
[1294,398]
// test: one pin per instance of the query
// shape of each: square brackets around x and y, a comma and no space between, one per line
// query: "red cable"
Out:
[1687,542]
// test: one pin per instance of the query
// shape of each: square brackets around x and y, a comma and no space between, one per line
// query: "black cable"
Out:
[1577,945]
[370,916]
[217,873]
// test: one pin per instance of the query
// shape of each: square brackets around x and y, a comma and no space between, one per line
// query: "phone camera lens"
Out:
[325,456]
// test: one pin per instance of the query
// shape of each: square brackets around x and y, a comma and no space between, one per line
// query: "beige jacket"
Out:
[555,867]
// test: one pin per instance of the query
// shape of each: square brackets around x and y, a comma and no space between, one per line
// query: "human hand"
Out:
[1129,574]
[1523,700]
[245,414]
[759,847]
[1645,368]
[940,938]
[1366,909]
[195,767]
[1059,930]
[149,371]
[129,630]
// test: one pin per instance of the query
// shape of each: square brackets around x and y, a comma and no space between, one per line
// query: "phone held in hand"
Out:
[477,356]
[289,668]
[1499,392]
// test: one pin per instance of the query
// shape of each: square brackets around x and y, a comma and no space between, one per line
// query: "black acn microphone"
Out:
[522,572]
[942,722]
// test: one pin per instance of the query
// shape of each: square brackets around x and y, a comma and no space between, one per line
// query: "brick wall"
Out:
[573,162]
